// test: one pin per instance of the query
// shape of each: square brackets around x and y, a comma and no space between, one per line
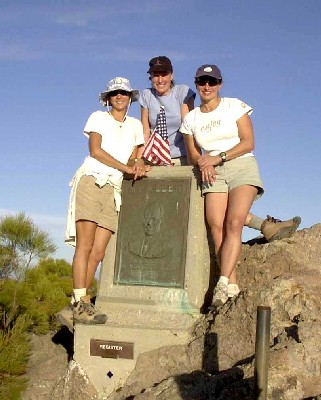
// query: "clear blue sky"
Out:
[57,55]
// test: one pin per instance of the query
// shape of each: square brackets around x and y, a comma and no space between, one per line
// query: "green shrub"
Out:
[11,387]
[15,347]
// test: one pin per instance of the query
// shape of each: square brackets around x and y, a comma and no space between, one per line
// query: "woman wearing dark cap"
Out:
[220,140]
[95,199]
[177,101]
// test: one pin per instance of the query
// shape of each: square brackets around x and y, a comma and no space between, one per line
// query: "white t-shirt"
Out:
[217,130]
[118,139]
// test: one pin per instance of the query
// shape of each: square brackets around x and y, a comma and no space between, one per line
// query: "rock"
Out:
[218,363]
[48,361]
[284,275]
[74,385]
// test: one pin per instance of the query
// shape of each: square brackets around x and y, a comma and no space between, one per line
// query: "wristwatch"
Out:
[223,156]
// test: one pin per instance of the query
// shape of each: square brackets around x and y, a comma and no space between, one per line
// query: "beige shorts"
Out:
[234,173]
[96,204]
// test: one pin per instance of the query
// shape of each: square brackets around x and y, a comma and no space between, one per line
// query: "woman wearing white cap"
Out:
[114,139]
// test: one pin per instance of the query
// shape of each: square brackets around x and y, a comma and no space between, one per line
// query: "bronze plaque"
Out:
[108,349]
[152,232]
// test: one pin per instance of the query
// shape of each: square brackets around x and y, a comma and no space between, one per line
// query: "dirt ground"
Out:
[48,361]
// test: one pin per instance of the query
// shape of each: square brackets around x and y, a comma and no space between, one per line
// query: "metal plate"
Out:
[110,349]
[152,234]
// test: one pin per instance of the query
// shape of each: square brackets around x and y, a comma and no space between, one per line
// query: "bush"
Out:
[15,347]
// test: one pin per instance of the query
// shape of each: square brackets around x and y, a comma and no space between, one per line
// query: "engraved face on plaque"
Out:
[152,232]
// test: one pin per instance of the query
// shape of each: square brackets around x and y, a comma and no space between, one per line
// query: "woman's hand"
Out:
[140,169]
[208,161]
[208,174]
[206,165]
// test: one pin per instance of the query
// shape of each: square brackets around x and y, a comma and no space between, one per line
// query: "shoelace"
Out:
[272,219]
[90,308]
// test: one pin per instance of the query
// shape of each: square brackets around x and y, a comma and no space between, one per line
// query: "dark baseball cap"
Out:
[208,70]
[160,64]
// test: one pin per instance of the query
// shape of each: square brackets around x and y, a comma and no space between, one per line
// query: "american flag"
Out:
[157,148]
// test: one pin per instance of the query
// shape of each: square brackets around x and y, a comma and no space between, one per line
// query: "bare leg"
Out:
[215,207]
[90,241]
[102,237]
[85,232]
[239,203]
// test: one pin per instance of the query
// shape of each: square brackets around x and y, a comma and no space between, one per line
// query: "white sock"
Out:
[255,222]
[77,294]
[233,286]
[233,289]
[223,279]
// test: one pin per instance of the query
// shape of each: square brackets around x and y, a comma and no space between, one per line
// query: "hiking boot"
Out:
[275,229]
[84,312]
[232,290]
[220,295]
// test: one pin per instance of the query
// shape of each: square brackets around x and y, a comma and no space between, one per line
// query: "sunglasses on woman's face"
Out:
[207,80]
[116,92]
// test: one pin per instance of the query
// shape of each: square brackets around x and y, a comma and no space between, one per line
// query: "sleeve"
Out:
[143,98]
[240,108]
[94,123]
[184,93]
[187,126]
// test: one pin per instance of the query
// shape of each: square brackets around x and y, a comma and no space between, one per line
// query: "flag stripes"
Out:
[157,150]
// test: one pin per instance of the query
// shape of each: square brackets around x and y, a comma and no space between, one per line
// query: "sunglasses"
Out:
[116,92]
[207,80]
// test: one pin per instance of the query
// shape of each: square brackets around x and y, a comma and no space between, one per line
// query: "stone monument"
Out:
[153,279]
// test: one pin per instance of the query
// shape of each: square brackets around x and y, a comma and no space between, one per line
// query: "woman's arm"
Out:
[194,155]
[101,155]
[145,122]
[192,149]
[139,167]
[187,107]
[246,135]
[246,144]
[144,117]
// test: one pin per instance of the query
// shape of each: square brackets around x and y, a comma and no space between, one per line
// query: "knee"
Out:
[234,225]
[97,255]
[83,249]
[215,228]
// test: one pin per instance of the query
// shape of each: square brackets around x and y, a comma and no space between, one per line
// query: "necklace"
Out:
[119,123]
[206,108]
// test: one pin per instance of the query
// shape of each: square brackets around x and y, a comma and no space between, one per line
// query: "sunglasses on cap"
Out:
[116,92]
[203,80]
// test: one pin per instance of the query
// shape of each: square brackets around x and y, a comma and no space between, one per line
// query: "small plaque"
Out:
[108,349]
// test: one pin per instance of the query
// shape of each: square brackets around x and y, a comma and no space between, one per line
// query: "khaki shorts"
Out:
[96,204]
[234,173]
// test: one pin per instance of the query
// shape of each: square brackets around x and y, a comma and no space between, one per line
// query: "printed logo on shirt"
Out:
[243,105]
[211,125]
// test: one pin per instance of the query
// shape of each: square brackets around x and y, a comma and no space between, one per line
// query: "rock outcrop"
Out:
[218,363]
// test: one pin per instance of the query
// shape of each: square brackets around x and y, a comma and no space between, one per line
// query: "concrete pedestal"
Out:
[147,317]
